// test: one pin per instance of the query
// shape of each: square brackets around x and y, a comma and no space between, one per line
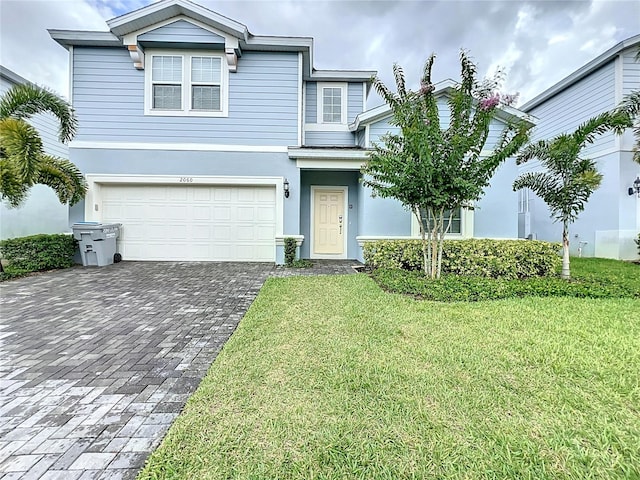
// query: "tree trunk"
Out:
[423,234]
[566,272]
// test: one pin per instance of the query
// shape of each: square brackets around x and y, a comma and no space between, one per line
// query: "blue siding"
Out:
[563,112]
[361,138]
[263,102]
[354,101]
[630,71]
[327,139]
[311,102]
[181,31]
[496,214]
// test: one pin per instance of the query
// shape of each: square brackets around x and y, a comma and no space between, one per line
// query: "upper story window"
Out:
[332,103]
[186,84]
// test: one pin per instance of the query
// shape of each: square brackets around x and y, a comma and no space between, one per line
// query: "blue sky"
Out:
[537,43]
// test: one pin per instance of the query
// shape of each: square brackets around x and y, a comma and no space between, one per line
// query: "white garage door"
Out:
[175,222]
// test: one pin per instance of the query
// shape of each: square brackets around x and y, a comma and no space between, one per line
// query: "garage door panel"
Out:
[164,222]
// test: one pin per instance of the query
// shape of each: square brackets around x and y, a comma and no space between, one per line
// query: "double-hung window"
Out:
[332,103]
[186,84]
[166,77]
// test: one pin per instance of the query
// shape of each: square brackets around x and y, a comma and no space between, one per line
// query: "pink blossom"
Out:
[426,88]
[489,102]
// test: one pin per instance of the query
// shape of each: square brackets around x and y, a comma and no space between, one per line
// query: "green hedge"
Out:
[472,257]
[36,253]
[591,278]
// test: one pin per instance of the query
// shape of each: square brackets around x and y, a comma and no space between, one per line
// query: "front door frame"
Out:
[345,221]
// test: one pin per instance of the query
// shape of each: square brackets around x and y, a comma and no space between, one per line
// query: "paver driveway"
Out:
[95,363]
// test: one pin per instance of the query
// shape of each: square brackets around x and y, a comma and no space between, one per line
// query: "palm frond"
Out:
[24,101]
[539,150]
[21,145]
[63,177]
[600,124]
[12,190]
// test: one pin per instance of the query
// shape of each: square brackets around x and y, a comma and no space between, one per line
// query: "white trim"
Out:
[364,96]
[326,127]
[367,138]
[345,221]
[198,147]
[132,38]
[71,74]
[328,154]
[335,164]
[280,239]
[466,226]
[300,99]
[343,86]
[618,91]
[186,110]
[93,199]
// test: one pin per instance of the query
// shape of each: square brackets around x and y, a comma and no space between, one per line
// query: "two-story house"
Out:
[208,142]
[611,220]
[41,212]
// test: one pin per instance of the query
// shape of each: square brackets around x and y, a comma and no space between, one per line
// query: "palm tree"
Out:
[23,162]
[569,180]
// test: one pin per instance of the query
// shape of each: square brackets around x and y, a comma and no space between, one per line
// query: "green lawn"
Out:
[332,378]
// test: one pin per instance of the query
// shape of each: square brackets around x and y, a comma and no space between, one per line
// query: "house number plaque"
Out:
[186,180]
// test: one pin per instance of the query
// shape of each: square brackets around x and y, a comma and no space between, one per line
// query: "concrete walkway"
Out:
[96,363]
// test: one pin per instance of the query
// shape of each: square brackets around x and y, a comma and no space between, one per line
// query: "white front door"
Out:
[329,222]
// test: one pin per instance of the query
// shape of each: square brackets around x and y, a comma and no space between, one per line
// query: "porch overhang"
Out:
[328,158]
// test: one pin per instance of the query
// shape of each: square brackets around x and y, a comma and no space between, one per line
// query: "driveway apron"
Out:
[96,363]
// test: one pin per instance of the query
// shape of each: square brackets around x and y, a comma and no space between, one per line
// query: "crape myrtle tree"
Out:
[435,166]
[568,180]
[23,162]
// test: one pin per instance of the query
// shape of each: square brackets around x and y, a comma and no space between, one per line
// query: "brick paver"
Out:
[96,363]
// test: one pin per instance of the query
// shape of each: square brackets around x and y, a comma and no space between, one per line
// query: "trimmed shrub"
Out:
[472,257]
[289,251]
[637,240]
[456,288]
[36,253]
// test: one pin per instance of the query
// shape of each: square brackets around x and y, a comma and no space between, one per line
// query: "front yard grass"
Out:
[333,378]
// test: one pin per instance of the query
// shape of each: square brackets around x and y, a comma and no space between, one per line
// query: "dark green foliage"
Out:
[289,251]
[432,169]
[637,240]
[472,257]
[593,278]
[23,161]
[36,253]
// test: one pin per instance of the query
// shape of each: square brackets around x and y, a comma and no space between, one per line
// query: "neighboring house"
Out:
[611,219]
[210,143]
[42,212]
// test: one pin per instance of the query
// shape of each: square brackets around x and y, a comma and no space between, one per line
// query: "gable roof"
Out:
[582,72]
[442,88]
[156,13]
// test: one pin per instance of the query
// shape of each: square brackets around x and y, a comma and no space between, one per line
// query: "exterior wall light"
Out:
[285,185]
[636,187]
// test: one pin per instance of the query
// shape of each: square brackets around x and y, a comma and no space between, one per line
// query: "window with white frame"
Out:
[186,84]
[332,103]
[456,221]
[461,223]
